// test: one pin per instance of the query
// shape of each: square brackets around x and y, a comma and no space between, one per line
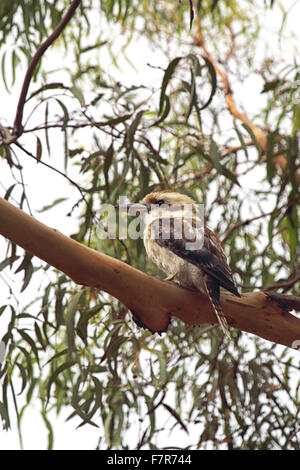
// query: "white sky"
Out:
[41,189]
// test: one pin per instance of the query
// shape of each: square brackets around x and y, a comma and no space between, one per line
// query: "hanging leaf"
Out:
[272,85]
[176,416]
[242,141]
[216,160]
[167,76]
[108,159]
[252,135]
[165,113]
[271,169]
[53,204]
[77,92]
[38,152]
[55,374]
[132,130]
[70,320]
[213,77]
[8,262]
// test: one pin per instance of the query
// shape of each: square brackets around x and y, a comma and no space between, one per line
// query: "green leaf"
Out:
[214,3]
[176,416]
[31,343]
[53,204]
[165,113]
[242,141]
[253,138]
[162,367]
[193,96]
[271,227]
[2,350]
[39,336]
[78,94]
[55,374]
[8,262]
[46,128]
[108,159]
[70,320]
[82,325]
[4,416]
[144,177]
[191,13]
[167,76]
[2,309]
[296,119]
[3,68]
[28,272]
[216,160]
[23,374]
[108,427]
[15,60]
[29,362]
[49,428]
[213,77]
[132,129]
[290,234]
[117,431]
[271,169]
[38,151]
[268,86]
[48,86]
[114,121]
[65,120]
[114,348]
[9,191]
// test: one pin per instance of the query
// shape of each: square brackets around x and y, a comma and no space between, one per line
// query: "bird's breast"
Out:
[187,274]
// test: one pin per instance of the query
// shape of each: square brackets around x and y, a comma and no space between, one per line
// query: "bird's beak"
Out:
[133,208]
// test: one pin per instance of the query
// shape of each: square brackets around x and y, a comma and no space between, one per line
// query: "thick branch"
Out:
[152,301]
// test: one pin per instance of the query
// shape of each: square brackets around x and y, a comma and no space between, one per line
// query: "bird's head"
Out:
[167,199]
[162,202]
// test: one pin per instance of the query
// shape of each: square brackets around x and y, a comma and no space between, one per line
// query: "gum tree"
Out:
[124,98]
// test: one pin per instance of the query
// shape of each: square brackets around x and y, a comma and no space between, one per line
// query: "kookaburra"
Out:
[179,243]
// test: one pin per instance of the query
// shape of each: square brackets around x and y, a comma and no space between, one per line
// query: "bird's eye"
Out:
[160,202]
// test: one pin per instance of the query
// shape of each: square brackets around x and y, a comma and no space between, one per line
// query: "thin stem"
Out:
[33,64]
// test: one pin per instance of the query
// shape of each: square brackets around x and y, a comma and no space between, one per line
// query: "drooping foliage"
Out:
[136,96]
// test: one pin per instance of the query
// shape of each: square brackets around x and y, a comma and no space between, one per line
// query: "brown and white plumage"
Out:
[205,267]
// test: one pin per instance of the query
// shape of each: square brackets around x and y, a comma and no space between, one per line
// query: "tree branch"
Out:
[284,284]
[150,300]
[260,135]
[11,138]
[243,223]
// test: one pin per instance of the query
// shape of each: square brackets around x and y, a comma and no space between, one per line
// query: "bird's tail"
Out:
[213,292]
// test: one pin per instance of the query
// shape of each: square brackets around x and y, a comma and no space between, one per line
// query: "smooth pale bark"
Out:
[152,301]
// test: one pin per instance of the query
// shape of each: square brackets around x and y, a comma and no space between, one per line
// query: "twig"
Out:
[242,223]
[260,135]
[32,66]
[62,174]
[93,215]
[56,170]
[283,284]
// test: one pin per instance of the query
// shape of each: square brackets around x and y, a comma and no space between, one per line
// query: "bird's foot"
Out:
[170,277]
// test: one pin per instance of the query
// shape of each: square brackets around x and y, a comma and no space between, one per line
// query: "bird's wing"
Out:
[180,235]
